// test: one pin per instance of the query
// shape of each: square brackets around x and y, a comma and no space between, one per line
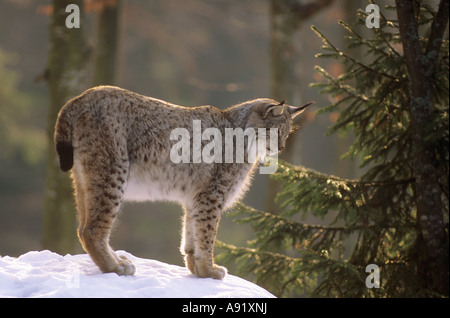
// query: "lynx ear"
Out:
[276,110]
[295,111]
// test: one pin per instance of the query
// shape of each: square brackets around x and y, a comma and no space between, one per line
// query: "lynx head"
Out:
[268,113]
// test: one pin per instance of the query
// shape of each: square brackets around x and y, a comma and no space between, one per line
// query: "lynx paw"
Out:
[208,271]
[218,272]
[124,266]
[203,268]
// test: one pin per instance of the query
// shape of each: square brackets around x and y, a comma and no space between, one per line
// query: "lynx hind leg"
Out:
[204,221]
[98,202]
[96,231]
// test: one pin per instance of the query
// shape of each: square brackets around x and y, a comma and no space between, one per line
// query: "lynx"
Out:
[118,145]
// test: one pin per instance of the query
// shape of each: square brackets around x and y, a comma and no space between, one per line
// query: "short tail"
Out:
[63,141]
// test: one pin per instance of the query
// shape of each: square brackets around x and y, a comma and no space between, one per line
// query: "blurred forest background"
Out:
[191,52]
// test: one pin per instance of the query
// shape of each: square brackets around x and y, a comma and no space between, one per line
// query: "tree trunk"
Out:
[433,267]
[65,78]
[105,69]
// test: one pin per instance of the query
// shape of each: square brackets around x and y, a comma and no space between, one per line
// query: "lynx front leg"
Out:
[205,233]
[187,247]
[205,221]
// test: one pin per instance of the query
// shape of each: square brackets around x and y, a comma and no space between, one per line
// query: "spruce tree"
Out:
[374,219]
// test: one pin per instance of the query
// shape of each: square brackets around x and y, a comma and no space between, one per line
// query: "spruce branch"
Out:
[348,57]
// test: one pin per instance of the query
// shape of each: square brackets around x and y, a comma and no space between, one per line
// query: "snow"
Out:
[47,274]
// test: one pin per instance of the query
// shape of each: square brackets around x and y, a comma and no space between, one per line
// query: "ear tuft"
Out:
[295,111]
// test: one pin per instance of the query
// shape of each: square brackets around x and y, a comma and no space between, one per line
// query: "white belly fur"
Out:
[143,187]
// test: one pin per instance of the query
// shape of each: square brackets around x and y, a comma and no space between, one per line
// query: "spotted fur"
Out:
[117,144]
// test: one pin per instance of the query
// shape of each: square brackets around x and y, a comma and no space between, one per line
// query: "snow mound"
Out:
[47,274]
